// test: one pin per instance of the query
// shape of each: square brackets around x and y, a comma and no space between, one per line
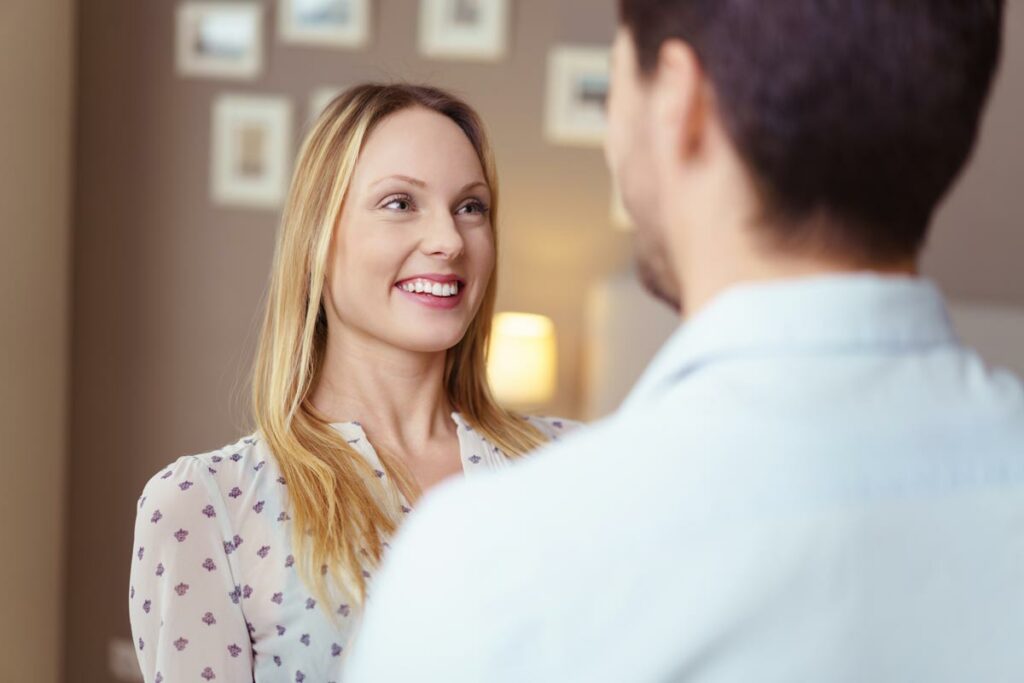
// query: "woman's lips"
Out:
[430,301]
[440,278]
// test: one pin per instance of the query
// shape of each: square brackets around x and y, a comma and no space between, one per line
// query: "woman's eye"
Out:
[473,208]
[398,204]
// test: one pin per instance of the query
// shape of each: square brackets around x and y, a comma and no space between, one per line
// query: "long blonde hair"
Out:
[342,512]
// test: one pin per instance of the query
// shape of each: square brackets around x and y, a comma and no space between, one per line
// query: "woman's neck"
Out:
[397,395]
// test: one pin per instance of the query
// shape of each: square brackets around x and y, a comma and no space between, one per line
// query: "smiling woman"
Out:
[369,387]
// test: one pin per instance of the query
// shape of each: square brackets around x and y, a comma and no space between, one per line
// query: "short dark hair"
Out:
[861,111]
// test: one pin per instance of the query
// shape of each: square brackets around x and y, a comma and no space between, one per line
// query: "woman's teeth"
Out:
[432,288]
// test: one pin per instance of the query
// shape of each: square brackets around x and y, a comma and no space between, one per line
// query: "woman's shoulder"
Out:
[553,427]
[225,473]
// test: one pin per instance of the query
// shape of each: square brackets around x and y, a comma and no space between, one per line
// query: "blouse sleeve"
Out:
[184,603]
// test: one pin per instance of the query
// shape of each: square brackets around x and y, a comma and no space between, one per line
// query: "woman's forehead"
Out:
[420,144]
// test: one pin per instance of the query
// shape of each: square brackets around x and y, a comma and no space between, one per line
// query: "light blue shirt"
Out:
[814,481]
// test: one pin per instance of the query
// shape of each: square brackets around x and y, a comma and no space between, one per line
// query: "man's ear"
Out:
[679,99]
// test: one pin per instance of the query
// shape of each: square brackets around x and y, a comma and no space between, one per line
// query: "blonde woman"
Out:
[252,562]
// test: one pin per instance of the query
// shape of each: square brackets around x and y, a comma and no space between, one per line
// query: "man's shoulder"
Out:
[567,484]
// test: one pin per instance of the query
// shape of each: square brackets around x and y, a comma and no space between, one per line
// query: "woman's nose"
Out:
[443,238]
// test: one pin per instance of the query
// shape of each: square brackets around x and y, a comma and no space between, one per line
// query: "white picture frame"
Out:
[473,30]
[250,150]
[342,24]
[577,91]
[219,40]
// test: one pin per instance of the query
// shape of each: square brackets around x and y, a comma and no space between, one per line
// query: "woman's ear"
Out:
[679,99]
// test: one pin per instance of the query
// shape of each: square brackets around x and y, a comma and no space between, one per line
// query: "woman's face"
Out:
[413,250]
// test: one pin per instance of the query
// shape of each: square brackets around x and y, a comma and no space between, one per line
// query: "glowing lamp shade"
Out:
[521,361]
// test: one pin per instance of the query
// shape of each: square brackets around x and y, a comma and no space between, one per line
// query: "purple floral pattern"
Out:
[190,580]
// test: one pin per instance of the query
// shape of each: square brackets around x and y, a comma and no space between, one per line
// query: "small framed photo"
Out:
[220,40]
[464,29]
[325,23]
[576,96]
[250,151]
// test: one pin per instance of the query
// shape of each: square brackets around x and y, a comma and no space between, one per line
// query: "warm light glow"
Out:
[521,362]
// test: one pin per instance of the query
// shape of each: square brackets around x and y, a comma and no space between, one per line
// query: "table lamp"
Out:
[522,360]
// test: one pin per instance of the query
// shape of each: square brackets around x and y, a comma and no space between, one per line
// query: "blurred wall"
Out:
[168,286]
[35,168]
[977,245]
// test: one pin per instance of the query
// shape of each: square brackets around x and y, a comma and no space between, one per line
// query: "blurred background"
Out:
[141,147]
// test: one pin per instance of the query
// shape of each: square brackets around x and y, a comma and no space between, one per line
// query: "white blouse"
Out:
[215,595]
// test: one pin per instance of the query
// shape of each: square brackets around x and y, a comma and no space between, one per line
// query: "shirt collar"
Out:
[825,314]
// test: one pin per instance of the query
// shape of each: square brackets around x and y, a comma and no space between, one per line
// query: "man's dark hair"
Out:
[858,112]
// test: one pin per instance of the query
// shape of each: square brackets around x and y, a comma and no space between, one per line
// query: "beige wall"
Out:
[167,286]
[977,246]
[35,164]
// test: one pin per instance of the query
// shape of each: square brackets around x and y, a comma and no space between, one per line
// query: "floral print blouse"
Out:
[215,593]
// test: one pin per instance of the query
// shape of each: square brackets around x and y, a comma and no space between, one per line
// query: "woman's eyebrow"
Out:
[420,183]
[412,181]
[475,183]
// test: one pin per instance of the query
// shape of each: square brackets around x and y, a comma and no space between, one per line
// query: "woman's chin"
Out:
[430,341]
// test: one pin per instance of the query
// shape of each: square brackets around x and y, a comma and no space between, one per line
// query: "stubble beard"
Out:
[655,271]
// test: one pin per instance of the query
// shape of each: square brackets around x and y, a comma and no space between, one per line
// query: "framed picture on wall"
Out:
[325,23]
[250,150]
[219,39]
[577,93]
[464,29]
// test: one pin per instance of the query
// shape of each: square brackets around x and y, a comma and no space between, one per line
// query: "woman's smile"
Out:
[443,292]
